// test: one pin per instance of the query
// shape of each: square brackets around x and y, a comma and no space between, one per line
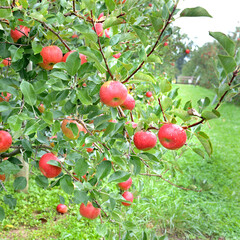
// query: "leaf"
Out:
[136,162]
[143,77]
[154,58]
[28,91]
[81,167]
[225,41]
[103,169]
[129,226]
[20,183]
[211,114]
[195,12]
[73,63]
[205,141]
[9,168]
[165,86]
[228,63]
[84,97]
[48,117]
[37,48]
[2,213]
[110,4]
[203,103]
[16,53]
[199,152]
[66,184]
[41,181]
[80,197]
[111,21]
[60,75]
[119,176]
[5,106]
[10,201]
[182,114]
[54,163]
[157,23]
[141,34]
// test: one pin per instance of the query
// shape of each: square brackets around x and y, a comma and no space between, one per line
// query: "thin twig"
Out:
[173,184]
[100,48]
[1,182]
[164,117]
[131,116]
[50,29]
[74,8]
[155,45]
[120,112]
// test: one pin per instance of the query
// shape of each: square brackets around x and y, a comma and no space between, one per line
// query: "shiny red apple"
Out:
[129,103]
[99,29]
[172,136]
[5,141]
[89,211]
[62,208]
[144,140]
[187,51]
[125,185]
[165,44]
[117,55]
[5,97]
[113,93]
[128,197]
[6,61]
[19,32]
[49,170]
[82,57]
[148,94]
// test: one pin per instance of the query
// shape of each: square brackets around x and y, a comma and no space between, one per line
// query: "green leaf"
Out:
[41,181]
[203,103]
[103,169]
[60,75]
[37,48]
[237,58]
[66,184]
[54,163]
[81,167]
[80,197]
[205,141]
[2,214]
[9,168]
[143,77]
[84,97]
[28,91]
[154,58]
[16,53]
[10,201]
[111,21]
[48,117]
[119,176]
[141,34]
[199,152]
[73,63]
[136,162]
[165,86]
[110,4]
[20,183]
[5,106]
[225,41]
[182,114]
[129,226]
[195,12]
[157,23]
[15,122]
[228,63]
[211,114]
[31,127]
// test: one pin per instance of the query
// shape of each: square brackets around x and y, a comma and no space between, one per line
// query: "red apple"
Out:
[6,61]
[49,170]
[118,55]
[150,5]
[2,177]
[84,85]
[5,97]
[99,29]
[5,141]
[148,94]
[165,44]
[144,140]
[125,185]
[129,103]
[107,32]
[89,211]
[68,132]
[88,149]
[113,93]
[129,197]
[172,136]
[41,108]
[51,55]
[74,36]
[82,57]
[16,34]
[62,208]
[187,51]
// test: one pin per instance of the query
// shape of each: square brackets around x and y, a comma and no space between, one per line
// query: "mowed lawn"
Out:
[160,208]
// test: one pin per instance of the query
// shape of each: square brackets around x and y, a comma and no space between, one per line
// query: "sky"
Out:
[225,13]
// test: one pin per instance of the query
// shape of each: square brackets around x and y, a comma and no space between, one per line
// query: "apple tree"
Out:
[74,77]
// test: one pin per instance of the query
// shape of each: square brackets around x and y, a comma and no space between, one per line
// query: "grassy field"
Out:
[160,209]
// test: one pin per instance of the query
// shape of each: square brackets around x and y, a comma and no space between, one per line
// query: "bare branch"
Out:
[164,117]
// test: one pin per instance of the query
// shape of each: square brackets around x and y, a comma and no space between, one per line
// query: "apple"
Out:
[129,197]
[107,32]
[74,36]
[84,85]
[68,132]
[88,149]
[6,61]
[125,185]
[101,15]
[165,44]
[113,93]
[144,140]
[49,170]
[5,141]
[129,103]
[16,34]
[89,211]
[172,136]
[62,208]
[187,51]
[173,64]
[99,29]
[41,108]
[150,5]
[5,97]
[148,94]
[2,177]
[50,55]
[82,57]
[118,55]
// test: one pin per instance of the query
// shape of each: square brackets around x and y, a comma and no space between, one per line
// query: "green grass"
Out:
[160,208]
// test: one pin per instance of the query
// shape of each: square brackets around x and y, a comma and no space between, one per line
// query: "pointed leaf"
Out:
[28,91]
[20,183]
[195,12]
[205,141]
[119,176]
[73,63]
[103,169]
[228,63]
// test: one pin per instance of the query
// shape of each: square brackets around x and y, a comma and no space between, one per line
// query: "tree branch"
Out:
[164,117]
[100,48]
[50,29]
[155,45]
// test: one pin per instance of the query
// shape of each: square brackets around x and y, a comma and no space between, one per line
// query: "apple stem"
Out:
[164,117]
[50,29]
[120,112]
[100,48]
[173,184]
